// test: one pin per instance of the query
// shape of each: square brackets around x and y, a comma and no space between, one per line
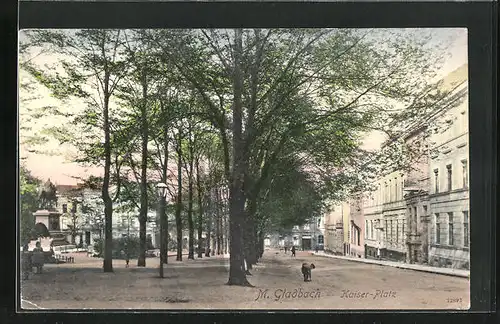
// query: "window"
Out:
[392,232]
[425,210]
[403,231]
[397,231]
[415,220]
[359,237]
[371,229]
[466,228]
[465,175]
[321,239]
[366,229]
[396,190]
[436,180]
[402,188]
[319,222]
[438,230]
[390,191]
[65,208]
[410,217]
[73,208]
[450,229]
[448,168]
[387,229]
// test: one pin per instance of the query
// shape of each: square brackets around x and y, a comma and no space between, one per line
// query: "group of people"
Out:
[35,258]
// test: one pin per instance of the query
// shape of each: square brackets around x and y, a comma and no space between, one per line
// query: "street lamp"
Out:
[162,191]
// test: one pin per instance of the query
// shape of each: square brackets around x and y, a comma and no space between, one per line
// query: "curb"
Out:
[427,269]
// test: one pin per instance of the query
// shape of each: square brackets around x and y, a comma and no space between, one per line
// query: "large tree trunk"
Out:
[200,209]
[218,222]
[163,256]
[143,215]
[209,226]
[164,215]
[178,211]
[190,211]
[237,274]
[247,242]
[108,203]
[260,239]
[252,237]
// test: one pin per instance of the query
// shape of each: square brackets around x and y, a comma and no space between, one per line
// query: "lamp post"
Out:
[162,191]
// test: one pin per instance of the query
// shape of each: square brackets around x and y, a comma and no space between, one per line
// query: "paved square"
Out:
[200,284]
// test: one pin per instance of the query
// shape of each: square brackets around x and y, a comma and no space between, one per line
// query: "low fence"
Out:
[68,249]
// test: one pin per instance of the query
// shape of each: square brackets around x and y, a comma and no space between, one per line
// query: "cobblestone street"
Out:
[200,284]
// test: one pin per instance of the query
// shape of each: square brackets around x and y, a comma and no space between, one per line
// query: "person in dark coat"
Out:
[38,257]
[293,251]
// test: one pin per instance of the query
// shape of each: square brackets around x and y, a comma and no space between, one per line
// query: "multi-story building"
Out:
[356,227]
[308,236]
[384,216]
[82,217]
[335,237]
[305,237]
[449,170]
[416,190]
[372,213]
[421,214]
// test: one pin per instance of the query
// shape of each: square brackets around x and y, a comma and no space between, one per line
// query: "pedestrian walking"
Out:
[286,249]
[293,251]
[38,258]
[125,256]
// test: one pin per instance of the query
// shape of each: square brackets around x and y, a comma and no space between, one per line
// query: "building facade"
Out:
[336,240]
[356,227]
[416,194]
[384,216]
[421,214]
[449,193]
[82,217]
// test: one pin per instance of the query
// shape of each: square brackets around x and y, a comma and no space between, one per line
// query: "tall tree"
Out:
[93,66]
[179,202]
[28,199]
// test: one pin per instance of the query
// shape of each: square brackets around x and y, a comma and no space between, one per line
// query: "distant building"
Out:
[308,236]
[335,237]
[356,227]
[384,214]
[82,209]
[305,237]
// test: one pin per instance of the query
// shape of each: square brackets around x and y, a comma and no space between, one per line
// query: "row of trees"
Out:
[276,117]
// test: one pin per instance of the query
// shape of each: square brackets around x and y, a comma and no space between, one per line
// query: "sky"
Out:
[61,171]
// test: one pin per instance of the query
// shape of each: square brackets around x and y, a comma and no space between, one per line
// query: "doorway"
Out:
[306,244]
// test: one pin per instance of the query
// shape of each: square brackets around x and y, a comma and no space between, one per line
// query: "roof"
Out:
[67,189]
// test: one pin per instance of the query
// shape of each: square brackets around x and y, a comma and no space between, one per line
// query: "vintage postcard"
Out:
[199,169]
